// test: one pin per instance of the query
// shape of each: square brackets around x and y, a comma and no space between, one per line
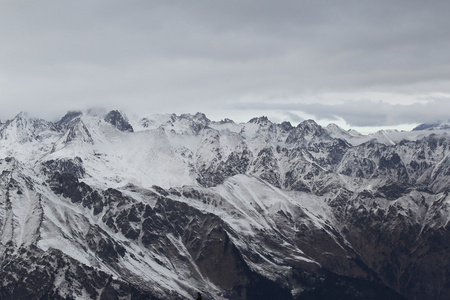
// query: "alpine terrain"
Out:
[104,206]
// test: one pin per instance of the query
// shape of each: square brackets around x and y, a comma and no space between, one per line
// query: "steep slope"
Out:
[99,206]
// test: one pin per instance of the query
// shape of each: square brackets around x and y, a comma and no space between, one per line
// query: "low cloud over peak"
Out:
[229,58]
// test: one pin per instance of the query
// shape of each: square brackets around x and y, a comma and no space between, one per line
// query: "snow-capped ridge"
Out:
[286,126]
[67,118]
[442,125]
[338,132]
[263,121]
[78,132]
[182,124]
[180,204]
[23,129]
[306,132]
[226,121]
[118,120]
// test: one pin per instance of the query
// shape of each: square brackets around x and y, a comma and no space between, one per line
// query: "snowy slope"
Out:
[166,205]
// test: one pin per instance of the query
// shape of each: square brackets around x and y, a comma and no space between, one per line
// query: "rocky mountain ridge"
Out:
[106,207]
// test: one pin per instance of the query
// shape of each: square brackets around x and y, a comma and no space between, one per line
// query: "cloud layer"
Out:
[376,63]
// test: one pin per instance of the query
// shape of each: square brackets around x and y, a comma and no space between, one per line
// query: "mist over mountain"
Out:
[433,126]
[105,206]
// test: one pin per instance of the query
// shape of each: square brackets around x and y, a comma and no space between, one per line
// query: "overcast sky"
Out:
[360,64]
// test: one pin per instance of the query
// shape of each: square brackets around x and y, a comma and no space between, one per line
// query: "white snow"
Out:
[165,151]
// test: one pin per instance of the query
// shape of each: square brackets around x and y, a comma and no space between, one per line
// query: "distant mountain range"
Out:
[105,206]
[433,126]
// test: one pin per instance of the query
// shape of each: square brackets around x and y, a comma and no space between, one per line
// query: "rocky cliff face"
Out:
[90,209]
[116,119]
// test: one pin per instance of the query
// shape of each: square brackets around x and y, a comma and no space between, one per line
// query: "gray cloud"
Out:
[363,112]
[188,56]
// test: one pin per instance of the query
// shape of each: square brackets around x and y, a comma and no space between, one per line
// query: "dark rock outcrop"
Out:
[116,119]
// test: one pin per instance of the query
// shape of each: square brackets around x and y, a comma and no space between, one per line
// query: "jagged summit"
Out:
[310,126]
[306,132]
[195,122]
[226,121]
[90,209]
[23,129]
[69,116]
[65,121]
[198,117]
[286,126]
[333,129]
[116,119]
[260,120]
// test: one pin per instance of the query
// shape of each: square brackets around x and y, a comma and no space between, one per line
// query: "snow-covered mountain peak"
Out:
[254,210]
[23,129]
[67,118]
[182,124]
[118,120]
[199,118]
[355,133]
[337,132]
[262,121]
[444,125]
[286,126]
[309,125]
[226,121]
[307,132]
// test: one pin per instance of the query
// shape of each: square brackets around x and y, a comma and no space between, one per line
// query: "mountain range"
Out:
[103,206]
